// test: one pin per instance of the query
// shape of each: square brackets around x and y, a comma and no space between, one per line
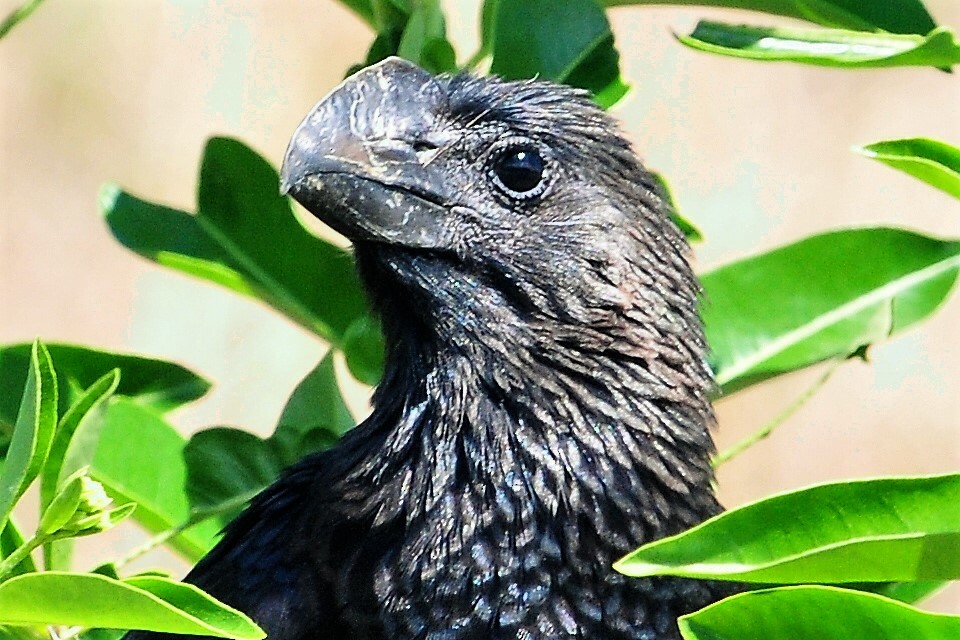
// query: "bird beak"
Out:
[357,160]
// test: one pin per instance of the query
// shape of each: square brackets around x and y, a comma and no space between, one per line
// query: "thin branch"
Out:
[779,419]
[196,517]
[18,15]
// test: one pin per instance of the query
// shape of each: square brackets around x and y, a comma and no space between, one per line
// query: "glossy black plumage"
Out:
[544,408]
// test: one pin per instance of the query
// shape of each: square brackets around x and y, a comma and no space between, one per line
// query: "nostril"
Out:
[420,146]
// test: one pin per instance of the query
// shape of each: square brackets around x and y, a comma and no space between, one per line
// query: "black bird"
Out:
[544,408]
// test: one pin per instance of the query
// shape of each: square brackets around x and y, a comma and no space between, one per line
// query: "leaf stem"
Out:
[779,419]
[18,15]
[21,553]
[196,517]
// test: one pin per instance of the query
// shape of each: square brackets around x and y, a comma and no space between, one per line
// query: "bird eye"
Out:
[520,171]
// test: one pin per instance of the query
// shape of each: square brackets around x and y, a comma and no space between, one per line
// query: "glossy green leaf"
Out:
[566,41]
[936,163]
[234,241]
[826,47]
[823,297]
[32,432]
[909,592]
[159,384]
[73,448]
[93,600]
[890,529]
[424,38]
[895,16]
[226,467]
[363,348]
[815,613]
[139,459]
[315,404]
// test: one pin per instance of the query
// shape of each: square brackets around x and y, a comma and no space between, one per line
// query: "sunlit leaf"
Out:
[890,529]
[826,47]
[936,163]
[140,459]
[823,297]
[93,600]
[32,432]
[815,613]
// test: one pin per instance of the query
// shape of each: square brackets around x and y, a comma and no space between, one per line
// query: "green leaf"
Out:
[424,40]
[139,459]
[823,297]
[363,348]
[33,432]
[565,41]
[228,466]
[815,613]
[315,404]
[71,452]
[363,8]
[909,592]
[936,163]
[826,47]
[895,16]
[54,470]
[161,385]
[92,600]
[244,237]
[890,529]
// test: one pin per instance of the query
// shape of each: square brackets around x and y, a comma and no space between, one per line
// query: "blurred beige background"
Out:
[758,155]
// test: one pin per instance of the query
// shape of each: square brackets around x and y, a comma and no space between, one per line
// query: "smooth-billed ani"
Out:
[544,408]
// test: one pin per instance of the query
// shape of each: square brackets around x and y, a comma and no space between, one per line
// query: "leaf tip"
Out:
[107,197]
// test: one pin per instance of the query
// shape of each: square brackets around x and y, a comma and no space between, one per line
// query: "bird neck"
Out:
[531,410]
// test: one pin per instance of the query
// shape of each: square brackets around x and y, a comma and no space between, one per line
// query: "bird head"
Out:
[461,191]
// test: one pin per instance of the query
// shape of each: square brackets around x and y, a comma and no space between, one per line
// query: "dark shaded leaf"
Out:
[565,41]
[233,240]
[159,384]
[228,465]
[895,16]
[316,403]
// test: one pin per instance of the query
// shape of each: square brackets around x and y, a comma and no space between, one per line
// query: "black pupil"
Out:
[520,170]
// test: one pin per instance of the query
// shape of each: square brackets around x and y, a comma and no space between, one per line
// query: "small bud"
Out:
[63,506]
[81,507]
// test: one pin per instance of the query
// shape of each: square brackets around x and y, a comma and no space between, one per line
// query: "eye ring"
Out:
[520,169]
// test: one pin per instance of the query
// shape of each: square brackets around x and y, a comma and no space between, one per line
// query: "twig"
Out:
[779,419]
[196,517]
[18,15]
